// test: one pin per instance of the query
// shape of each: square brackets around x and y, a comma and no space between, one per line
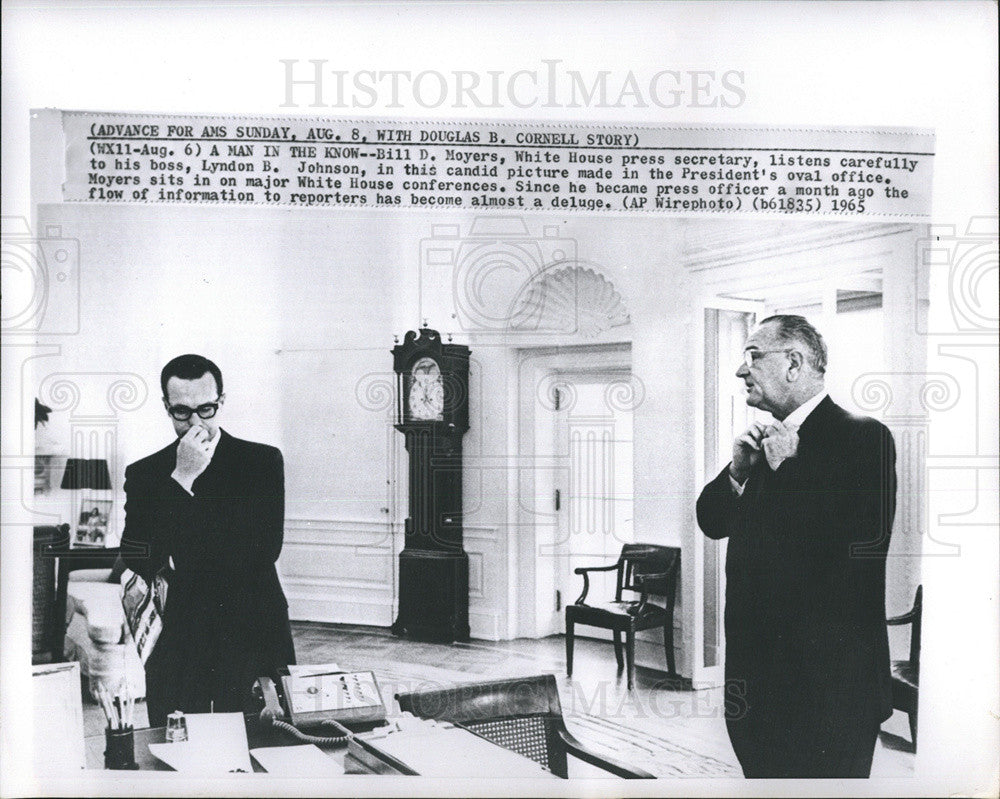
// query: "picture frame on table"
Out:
[92,527]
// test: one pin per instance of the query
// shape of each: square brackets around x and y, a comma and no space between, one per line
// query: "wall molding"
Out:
[485,625]
[483,546]
[340,525]
[322,571]
[339,570]
[739,243]
[480,533]
[570,300]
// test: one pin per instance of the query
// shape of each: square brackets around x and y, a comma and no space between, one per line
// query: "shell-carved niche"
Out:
[571,300]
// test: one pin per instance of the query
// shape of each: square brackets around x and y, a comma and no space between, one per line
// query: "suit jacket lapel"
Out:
[816,422]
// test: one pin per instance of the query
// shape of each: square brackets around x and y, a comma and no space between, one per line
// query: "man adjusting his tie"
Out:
[807,504]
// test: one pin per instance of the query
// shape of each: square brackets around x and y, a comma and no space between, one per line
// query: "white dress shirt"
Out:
[795,420]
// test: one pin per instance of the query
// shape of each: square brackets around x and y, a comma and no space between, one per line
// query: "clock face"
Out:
[426,391]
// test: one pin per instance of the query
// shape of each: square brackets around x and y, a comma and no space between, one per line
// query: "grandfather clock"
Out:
[433,413]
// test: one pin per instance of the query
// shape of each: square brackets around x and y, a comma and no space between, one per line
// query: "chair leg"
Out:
[569,648]
[668,645]
[913,729]
[618,650]
[630,655]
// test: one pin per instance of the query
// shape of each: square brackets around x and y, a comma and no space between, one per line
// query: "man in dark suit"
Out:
[208,508]
[807,504]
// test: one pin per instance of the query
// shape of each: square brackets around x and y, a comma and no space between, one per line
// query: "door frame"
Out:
[534,603]
[703,676]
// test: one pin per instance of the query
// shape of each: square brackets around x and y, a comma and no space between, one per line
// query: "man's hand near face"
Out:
[193,456]
[746,452]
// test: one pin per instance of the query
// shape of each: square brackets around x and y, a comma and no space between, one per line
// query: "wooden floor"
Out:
[661,726]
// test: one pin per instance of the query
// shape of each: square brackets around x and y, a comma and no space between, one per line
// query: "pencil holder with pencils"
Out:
[119,751]
[119,737]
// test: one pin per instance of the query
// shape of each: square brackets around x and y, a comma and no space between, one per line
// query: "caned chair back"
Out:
[522,714]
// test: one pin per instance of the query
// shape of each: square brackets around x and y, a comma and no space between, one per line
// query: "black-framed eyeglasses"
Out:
[750,357]
[182,412]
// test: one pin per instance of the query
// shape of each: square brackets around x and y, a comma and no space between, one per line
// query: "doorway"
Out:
[594,491]
[582,497]
[726,325]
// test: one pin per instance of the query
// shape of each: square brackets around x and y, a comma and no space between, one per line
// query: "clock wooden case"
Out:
[433,413]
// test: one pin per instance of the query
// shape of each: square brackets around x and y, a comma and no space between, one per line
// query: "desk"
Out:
[258,735]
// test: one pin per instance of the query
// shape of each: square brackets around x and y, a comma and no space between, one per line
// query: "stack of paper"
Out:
[216,744]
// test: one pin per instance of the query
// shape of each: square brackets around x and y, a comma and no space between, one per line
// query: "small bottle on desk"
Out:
[176,727]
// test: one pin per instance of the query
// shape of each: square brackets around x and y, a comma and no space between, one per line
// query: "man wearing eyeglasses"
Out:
[209,510]
[807,504]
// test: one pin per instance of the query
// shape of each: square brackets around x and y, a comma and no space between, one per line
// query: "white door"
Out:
[594,481]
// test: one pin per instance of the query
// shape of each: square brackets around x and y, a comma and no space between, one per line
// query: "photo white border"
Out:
[913,64]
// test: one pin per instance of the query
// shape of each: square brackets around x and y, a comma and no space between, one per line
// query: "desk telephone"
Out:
[346,701]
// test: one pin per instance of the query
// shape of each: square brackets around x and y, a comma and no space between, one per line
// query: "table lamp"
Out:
[84,473]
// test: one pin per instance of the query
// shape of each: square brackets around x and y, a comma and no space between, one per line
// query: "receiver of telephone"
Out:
[346,702]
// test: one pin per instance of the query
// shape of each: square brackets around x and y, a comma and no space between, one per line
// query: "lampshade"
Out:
[83,473]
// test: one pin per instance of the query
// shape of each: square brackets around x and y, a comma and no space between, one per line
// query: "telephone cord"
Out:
[316,739]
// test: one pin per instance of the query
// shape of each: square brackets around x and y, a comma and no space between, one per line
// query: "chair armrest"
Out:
[906,618]
[585,569]
[578,750]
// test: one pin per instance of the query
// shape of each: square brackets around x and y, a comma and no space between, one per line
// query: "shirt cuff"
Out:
[182,483]
[737,487]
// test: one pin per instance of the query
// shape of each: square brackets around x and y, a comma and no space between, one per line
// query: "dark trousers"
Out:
[766,756]
[170,687]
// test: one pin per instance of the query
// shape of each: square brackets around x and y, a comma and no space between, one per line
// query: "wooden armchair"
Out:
[906,673]
[643,569]
[522,714]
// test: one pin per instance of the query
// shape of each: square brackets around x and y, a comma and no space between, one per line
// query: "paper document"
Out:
[58,728]
[216,744]
[192,758]
[307,760]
